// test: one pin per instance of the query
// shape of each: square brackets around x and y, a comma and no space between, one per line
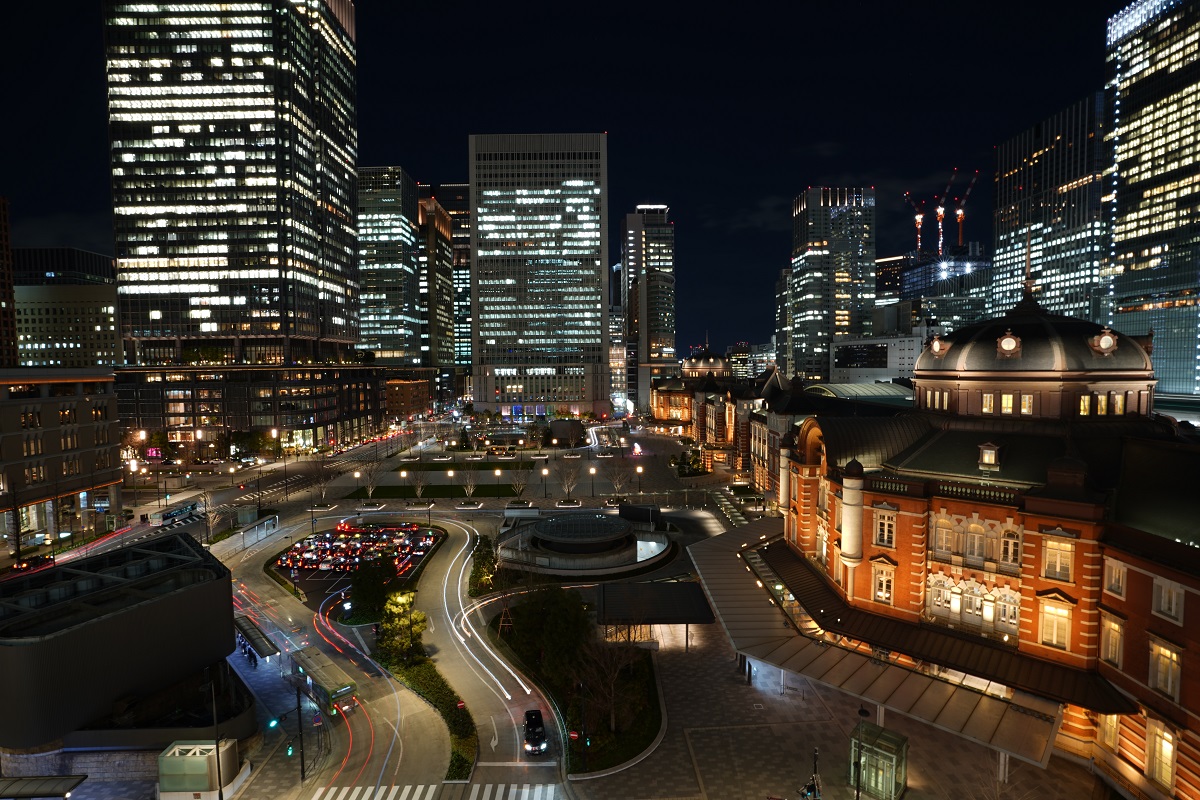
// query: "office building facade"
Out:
[1049,217]
[455,198]
[539,272]
[435,285]
[233,142]
[389,306]
[1153,84]
[832,286]
[648,295]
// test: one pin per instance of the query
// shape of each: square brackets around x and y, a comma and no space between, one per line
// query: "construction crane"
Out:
[941,208]
[920,216]
[959,211]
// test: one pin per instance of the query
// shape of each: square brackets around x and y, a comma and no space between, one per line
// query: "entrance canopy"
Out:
[49,786]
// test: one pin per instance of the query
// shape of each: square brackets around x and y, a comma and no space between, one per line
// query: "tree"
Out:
[618,474]
[368,586]
[600,671]
[323,476]
[567,473]
[419,481]
[519,479]
[371,472]
[400,629]
[470,480]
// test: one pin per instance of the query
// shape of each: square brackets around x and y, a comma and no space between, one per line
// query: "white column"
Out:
[852,515]
[785,492]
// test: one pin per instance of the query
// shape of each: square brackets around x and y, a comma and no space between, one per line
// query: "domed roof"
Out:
[1030,339]
[705,359]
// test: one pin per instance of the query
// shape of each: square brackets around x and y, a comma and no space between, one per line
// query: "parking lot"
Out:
[330,556]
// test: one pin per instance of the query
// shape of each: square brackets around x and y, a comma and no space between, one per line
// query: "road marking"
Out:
[354,794]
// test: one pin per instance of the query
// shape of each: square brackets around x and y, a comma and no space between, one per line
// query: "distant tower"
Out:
[1048,206]
[648,261]
[456,199]
[1154,85]
[539,272]
[832,288]
[435,285]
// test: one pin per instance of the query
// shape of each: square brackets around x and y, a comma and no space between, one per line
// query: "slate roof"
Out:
[652,604]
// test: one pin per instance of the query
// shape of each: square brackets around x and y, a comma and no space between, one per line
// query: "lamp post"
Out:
[281,453]
[450,475]
[554,444]
[404,477]
[639,474]
[858,755]
[497,484]
[133,471]
[357,482]
[545,490]
[212,685]
[592,472]
[231,471]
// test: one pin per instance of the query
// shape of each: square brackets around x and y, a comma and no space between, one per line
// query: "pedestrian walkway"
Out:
[727,738]
[420,792]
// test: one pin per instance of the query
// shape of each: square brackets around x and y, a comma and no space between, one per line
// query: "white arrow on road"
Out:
[495,734]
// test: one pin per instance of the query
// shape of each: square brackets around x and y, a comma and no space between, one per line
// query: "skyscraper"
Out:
[233,144]
[1049,181]
[539,271]
[832,287]
[435,285]
[388,214]
[455,198]
[8,303]
[648,295]
[233,141]
[1154,86]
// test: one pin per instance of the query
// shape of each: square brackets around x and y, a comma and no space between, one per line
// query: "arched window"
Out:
[1008,611]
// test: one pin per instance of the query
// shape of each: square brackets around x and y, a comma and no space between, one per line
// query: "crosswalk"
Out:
[376,793]
[516,791]
[485,791]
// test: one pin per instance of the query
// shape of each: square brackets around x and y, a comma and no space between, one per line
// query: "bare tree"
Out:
[600,668]
[470,481]
[206,498]
[322,477]
[567,473]
[519,479]
[419,481]
[371,472]
[618,474]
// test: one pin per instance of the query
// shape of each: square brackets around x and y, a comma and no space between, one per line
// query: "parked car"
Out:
[535,732]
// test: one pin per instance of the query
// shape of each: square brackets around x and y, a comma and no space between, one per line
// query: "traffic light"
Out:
[168,497]
[289,748]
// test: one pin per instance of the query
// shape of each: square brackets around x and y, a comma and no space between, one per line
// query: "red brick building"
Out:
[1026,531]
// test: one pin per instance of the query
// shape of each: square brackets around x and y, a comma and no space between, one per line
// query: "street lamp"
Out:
[133,470]
[450,474]
[545,491]
[281,453]
[639,474]
[404,478]
[497,484]
[858,755]
[592,472]
[357,483]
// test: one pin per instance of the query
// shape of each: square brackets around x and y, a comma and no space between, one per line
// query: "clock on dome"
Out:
[1104,343]
[1008,345]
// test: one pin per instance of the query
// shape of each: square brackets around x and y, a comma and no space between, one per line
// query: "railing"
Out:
[969,491]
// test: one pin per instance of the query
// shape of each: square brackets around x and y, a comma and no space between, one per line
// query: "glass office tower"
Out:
[388,216]
[648,294]
[1154,87]
[832,285]
[233,145]
[1049,182]
[539,268]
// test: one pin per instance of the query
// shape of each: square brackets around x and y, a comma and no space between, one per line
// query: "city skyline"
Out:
[734,129]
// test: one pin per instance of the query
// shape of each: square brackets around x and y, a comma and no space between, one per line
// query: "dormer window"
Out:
[989,457]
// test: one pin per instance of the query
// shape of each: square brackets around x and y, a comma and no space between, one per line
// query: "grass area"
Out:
[424,679]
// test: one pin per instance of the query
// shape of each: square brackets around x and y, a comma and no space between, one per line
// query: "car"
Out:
[616,502]
[30,563]
[567,502]
[468,504]
[535,732]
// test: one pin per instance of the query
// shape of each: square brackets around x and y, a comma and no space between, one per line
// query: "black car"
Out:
[535,732]
[30,563]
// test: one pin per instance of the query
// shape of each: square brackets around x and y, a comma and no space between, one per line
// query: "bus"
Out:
[176,512]
[329,687]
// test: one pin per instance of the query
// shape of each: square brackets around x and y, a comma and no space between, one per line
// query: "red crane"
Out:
[959,212]
[941,208]
[920,216]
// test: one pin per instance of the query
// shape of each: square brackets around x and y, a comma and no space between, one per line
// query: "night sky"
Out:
[725,115]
